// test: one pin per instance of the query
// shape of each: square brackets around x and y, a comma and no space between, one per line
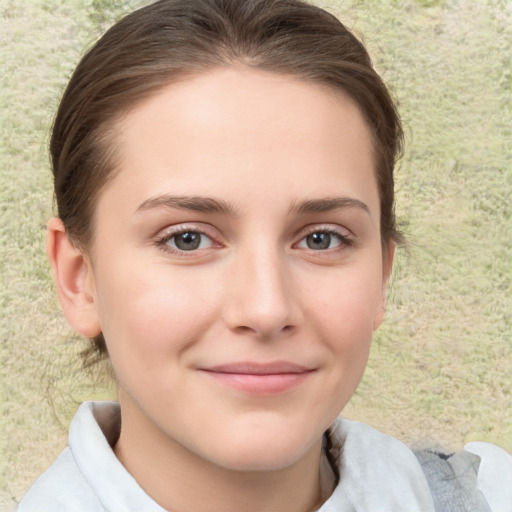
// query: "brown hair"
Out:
[170,39]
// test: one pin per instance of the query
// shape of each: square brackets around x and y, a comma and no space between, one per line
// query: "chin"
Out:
[265,449]
[249,461]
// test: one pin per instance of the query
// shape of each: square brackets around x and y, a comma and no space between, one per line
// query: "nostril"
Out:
[243,329]
[264,333]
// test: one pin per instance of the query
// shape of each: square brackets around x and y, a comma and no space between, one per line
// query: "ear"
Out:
[74,279]
[388,255]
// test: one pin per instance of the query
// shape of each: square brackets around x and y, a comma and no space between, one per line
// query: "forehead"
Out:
[245,129]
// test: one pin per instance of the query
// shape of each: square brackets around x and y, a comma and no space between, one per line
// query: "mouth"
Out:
[259,378]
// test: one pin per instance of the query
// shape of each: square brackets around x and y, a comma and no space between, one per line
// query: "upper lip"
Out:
[256,368]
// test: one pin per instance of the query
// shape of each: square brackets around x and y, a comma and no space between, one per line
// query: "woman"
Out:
[224,180]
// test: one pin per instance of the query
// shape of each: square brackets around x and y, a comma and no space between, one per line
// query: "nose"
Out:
[260,298]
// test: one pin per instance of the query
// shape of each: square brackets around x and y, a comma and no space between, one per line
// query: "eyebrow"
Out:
[212,205]
[192,203]
[328,204]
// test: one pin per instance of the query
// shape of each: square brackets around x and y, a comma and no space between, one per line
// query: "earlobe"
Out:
[73,277]
[387,267]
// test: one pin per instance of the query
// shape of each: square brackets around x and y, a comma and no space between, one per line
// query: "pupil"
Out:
[188,241]
[319,240]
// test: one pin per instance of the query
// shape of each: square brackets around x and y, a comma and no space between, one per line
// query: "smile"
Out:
[259,379]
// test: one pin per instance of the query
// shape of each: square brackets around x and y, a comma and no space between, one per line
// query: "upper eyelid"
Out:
[162,239]
[164,235]
[175,229]
[217,237]
[327,227]
[344,235]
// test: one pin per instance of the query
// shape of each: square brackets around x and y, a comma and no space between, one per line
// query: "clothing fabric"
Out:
[453,480]
[378,473]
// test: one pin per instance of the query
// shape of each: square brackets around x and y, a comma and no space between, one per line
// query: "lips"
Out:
[259,378]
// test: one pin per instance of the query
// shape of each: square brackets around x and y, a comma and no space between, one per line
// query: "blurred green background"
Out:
[441,367]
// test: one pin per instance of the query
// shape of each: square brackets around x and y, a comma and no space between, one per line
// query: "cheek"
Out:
[344,318]
[152,315]
[347,308]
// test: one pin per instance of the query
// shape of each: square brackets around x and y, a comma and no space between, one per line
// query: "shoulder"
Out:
[87,476]
[494,474]
[66,485]
[476,478]
[62,488]
[377,472]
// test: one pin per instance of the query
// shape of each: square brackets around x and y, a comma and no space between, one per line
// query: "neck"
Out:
[180,480]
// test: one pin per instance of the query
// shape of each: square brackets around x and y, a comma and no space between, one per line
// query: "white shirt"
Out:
[378,472]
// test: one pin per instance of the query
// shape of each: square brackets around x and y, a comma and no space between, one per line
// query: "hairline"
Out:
[108,136]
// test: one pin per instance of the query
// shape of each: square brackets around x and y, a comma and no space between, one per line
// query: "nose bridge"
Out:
[261,300]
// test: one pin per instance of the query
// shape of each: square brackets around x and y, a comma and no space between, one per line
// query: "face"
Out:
[237,269]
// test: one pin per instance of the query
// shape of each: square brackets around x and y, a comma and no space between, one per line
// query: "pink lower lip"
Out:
[260,384]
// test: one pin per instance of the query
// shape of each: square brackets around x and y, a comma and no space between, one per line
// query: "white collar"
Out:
[378,472]
[95,425]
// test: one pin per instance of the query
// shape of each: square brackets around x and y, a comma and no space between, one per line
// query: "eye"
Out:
[185,241]
[323,240]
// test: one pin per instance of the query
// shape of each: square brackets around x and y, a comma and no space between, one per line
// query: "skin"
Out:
[278,159]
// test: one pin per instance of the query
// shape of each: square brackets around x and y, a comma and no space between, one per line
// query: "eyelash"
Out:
[163,240]
[344,240]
